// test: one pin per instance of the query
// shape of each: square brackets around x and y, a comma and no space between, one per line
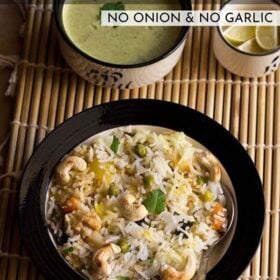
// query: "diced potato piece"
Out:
[207,196]
[104,171]
[100,209]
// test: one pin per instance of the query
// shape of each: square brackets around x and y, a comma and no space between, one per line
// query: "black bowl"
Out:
[241,170]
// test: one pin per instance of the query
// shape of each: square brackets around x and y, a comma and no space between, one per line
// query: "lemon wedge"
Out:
[266,37]
[251,46]
[237,35]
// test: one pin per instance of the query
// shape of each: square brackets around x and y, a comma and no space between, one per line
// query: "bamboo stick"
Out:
[70,104]
[244,123]
[115,95]
[211,84]
[261,105]
[177,76]
[235,126]
[195,60]
[24,118]
[212,74]
[46,93]
[22,67]
[215,90]
[106,95]
[35,101]
[235,111]
[34,47]
[89,95]
[29,85]
[98,96]
[222,91]
[159,90]
[253,119]
[267,175]
[151,91]
[186,67]
[57,77]
[259,158]
[39,76]
[9,266]
[227,103]
[274,247]
[80,95]
[204,65]
[195,65]
[125,94]
[244,111]
[219,98]
[134,93]
[61,109]
[167,88]
[28,30]
[143,92]
[251,136]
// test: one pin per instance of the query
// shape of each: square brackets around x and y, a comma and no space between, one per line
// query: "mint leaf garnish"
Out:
[155,202]
[118,6]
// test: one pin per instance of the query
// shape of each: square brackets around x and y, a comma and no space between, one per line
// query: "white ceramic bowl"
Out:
[113,75]
[239,62]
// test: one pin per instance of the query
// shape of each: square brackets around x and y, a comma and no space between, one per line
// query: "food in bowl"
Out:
[118,45]
[253,39]
[133,203]
[121,69]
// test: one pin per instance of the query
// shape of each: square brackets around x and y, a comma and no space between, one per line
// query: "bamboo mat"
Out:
[48,93]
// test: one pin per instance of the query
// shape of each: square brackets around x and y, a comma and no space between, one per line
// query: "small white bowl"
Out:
[250,65]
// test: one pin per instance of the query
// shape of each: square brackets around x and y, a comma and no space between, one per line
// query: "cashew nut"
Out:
[72,162]
[170,273]
[132,211]
[91,220]
[211,164]
[80,219]
[94,238]
[102,256]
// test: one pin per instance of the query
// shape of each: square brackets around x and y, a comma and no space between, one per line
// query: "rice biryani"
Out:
[135,204]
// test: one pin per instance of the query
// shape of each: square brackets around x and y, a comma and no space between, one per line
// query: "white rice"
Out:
[186,225]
